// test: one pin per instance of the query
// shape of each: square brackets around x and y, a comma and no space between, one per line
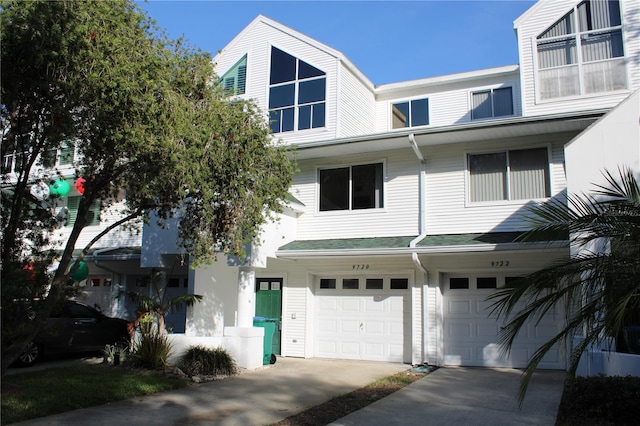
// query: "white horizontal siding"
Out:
[356,106]
[547,14]
[398,217]
[448,211]
[631,24]
[119,237]
[295,316]
[449,103]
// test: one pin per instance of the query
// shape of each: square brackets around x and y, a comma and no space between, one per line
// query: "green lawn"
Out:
[56,390]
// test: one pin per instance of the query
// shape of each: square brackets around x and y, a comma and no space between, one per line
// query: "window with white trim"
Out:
[490,103]
[509,175]
[410,113]
[64,155]
[583,52]
[351,187]
[297,94]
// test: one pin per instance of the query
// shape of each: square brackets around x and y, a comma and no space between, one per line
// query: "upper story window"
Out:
[583,52]
[410,114]
[234,80]
[12,162]
[351,187]
[63,156]
[492,103]
[521,174]
[297,94]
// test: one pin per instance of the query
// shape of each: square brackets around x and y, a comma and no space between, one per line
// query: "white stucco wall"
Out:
[610,143]
[218,284]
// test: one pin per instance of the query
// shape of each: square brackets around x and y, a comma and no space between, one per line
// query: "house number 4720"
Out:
[360,267]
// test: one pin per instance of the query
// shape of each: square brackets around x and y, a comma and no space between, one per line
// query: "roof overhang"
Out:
[456,133]
[400,246]
[116,254]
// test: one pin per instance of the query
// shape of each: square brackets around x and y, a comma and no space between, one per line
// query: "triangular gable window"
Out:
[234,80]
[297,93]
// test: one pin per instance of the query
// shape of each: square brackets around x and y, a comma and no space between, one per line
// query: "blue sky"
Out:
[389,41]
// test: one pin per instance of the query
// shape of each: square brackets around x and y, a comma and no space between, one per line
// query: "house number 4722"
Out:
[500,264]
[360,267]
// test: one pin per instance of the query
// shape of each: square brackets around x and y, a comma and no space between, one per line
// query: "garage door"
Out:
[362,318]
[471,334]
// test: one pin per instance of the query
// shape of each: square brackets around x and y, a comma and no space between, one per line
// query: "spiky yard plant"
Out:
[597,288]
[200,360]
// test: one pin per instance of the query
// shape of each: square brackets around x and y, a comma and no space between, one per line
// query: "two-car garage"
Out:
[394,318]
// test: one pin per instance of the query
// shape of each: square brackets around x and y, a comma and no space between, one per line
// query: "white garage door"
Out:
[470,333]
[362,323]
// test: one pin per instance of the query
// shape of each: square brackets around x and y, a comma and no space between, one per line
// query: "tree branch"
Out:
[111,227]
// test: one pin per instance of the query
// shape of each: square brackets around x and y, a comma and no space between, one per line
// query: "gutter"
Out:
[472,125]
[414,249]
[97,263]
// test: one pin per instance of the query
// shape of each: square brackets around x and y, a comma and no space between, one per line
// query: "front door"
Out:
[269,305]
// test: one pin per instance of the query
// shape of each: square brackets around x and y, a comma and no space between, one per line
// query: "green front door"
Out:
[269,305]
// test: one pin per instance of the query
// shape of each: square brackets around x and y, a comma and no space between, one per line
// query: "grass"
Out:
[56,390]
[340,406]
[600,401]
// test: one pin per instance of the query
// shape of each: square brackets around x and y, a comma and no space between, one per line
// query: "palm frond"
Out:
[596,288]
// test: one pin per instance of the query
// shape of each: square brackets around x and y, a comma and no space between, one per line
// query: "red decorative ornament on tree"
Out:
[80,185]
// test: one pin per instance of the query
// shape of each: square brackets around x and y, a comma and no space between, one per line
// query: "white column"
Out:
[246,296]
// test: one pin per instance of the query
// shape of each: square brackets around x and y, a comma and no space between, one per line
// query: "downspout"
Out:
[422,230]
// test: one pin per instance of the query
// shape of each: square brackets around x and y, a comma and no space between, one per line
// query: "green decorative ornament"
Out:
[60,187]
[81,273]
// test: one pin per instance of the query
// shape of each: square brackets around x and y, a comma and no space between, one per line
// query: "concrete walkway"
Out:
[459,396]
[467,396]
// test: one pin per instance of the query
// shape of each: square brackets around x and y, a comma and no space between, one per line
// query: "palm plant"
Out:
[597,288]
[157,304]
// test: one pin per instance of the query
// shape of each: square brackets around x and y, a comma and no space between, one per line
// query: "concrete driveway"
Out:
[448,396]
[467,396]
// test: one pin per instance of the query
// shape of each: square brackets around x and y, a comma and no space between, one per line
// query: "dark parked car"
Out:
[75,328]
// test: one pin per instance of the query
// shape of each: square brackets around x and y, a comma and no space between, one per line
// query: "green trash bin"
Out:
[269,326]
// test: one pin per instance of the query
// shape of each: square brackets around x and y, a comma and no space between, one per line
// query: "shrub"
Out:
[151,350]
[203,361]
[600,400]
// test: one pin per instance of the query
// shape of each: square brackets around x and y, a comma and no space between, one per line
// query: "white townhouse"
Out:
[410,195]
